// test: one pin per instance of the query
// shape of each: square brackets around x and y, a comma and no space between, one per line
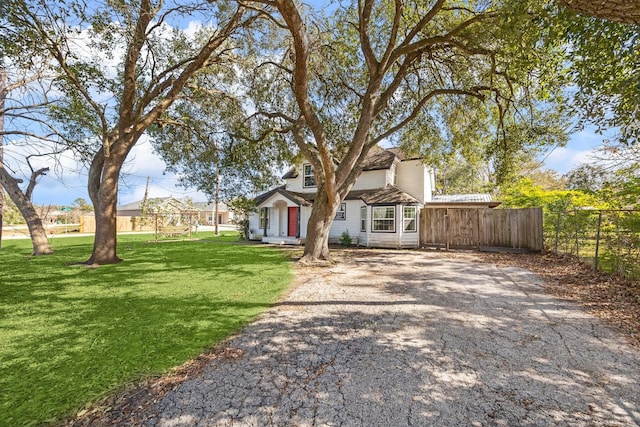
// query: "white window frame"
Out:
[409,220]
[264,217]
[341,214]
[363,219]
[387,208]
[307,172]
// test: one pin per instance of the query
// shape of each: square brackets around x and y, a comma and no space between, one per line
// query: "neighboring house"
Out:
[168,205]
[381,210]
[208,212]
[154,204]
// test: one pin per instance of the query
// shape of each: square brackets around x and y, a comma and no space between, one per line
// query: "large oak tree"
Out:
[114,106]
[424,74]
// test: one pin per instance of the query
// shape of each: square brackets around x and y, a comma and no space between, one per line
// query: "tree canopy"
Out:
[119,71]
[434,77]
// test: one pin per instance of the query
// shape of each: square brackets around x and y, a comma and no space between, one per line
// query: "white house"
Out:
[381,210]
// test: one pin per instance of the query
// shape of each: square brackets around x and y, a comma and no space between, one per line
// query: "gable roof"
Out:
[387,195]
[378,158]
[155,201]
[293,173]
[297,198]
[207,206]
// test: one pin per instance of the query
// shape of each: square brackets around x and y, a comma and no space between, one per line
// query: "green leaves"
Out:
[605,66]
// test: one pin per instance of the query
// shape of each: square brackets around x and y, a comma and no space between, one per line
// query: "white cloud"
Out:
[143,163]
[579,150]
[67,180]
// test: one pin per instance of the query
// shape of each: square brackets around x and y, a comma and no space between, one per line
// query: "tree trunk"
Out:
[622,11]
[3,97]
[103,190]
[316,247]
[36,229]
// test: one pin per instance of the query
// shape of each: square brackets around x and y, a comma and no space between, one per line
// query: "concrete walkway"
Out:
[415,339]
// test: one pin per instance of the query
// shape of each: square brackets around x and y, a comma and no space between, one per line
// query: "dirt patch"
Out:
[612,298]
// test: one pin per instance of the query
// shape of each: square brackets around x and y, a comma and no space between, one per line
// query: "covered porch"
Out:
[280,219]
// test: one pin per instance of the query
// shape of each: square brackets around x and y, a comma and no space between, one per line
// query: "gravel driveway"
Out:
[393,338]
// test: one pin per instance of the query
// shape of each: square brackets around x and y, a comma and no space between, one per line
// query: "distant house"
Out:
[208,212]
[205,211]
[381,210]
[154,204]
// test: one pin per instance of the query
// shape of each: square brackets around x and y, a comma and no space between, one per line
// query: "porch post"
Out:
[266,221]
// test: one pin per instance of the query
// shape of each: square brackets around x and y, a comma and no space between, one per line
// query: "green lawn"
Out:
[69,334]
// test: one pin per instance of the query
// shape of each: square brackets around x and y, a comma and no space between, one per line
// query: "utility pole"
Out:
[217,186]
[3,96]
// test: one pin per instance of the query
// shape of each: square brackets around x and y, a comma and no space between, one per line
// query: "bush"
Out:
[346,239]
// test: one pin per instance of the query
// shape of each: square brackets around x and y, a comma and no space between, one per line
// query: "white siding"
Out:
[399,239]
[351,223]
[274,222]
[391,174]
[305,213]
[296,184]
[415,178]
[366,181]
[254,224]
[363,236]
[283,223]
[369,180]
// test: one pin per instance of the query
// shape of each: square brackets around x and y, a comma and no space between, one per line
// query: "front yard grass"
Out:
[70,334]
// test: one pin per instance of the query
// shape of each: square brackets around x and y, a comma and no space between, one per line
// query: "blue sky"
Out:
[143,163]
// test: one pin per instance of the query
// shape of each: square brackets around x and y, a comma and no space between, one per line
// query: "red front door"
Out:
[293,221]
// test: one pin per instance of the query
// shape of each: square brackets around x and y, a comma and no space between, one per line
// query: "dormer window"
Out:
[309,180]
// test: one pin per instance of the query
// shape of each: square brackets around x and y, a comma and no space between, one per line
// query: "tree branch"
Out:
[475,92]
[364,17]
[32,180]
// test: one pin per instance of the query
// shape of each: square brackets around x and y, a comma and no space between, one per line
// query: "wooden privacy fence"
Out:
[482,228]
[123,223]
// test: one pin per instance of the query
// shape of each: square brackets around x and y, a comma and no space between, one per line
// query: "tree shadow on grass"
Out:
[69,335]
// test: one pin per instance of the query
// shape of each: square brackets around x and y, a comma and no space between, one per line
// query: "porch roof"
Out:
[387,195]
[296,198]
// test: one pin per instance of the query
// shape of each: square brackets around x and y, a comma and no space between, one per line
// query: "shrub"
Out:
[346,239]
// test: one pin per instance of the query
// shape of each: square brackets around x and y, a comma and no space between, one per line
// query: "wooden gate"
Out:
[482,228]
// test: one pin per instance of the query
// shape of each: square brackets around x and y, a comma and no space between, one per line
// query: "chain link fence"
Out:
[607,239]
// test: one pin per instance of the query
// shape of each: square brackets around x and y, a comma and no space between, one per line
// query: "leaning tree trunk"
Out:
[316,247]
[37,232]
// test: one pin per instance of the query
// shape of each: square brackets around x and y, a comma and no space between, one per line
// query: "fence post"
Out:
[478,227]
[555,245]
[575,218]
[595,261]
[447,228]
